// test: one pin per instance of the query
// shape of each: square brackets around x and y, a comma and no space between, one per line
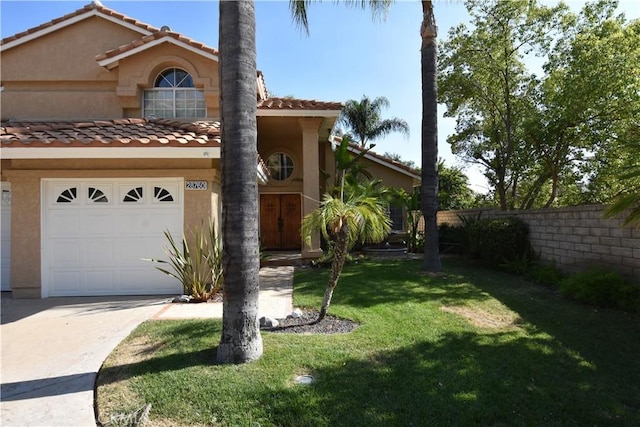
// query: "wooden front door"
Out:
[280,217]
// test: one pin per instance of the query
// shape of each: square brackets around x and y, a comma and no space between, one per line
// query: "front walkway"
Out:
[53,348]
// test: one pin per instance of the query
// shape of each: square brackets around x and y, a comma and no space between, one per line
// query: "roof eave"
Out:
[297,113]
[110,152]
[71,21]
[111,63]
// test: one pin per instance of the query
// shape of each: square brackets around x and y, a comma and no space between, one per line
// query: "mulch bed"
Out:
[304,324]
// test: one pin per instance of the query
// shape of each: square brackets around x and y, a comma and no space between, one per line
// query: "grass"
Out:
[473,347]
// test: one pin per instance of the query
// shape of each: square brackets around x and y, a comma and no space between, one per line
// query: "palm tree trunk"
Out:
[241,340]
[339,257]
[429,188]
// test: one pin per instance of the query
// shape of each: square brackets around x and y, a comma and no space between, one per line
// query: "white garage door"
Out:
[97,233]
[5,236]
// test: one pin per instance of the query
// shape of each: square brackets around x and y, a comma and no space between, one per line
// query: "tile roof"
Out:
[88,8]
[158,35]
[357,148]
[110,133]
[297,104]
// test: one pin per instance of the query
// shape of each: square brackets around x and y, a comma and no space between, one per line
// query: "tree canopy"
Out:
[549,139]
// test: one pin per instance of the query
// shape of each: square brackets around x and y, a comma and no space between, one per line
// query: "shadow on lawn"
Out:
[376,282]
[463,379]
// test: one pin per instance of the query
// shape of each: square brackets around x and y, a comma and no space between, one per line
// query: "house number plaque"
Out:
[195,185]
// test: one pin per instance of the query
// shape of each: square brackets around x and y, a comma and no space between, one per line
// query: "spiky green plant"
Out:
[197,266]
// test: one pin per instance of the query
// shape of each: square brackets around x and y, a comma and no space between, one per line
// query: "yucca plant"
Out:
[197,266]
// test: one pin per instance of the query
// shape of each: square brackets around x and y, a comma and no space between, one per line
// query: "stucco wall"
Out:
[573,238]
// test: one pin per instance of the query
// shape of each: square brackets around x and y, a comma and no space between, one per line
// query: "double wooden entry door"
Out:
[280,217]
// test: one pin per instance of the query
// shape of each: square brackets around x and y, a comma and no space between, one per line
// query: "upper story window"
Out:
[174,96]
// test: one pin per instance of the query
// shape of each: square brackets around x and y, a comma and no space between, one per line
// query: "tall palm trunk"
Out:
[429,188]
[339,257]
[241,340]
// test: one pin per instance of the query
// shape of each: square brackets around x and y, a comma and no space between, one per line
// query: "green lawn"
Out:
[474,347]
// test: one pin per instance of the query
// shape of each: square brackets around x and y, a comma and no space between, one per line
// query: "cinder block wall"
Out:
[573,238]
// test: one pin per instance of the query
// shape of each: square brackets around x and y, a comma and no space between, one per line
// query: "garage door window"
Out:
[162,194]
[134,195]
[96,195]
[70,195]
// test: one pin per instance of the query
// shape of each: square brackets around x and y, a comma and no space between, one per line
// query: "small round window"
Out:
[280,166]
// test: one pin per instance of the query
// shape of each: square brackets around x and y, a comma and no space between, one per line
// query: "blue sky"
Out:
[347,54]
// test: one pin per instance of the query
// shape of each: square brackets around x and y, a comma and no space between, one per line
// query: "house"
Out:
[110,137]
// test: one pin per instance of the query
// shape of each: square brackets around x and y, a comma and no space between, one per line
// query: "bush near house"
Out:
[496,242]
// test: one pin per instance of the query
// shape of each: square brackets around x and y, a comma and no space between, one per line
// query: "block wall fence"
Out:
[572,238]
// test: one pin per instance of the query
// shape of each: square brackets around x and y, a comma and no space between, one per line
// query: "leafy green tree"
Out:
[628,201]
[484,83]
[344,221]
[453,188]
[364,119]
[544,140]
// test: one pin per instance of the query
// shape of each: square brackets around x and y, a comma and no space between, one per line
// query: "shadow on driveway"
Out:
[13,310]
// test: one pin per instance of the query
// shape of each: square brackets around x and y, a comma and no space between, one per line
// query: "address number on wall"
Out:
[195,185]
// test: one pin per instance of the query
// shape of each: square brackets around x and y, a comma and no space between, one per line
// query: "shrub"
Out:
[546,275]
[198,266]
[602,288]
[452,239]
[497,241]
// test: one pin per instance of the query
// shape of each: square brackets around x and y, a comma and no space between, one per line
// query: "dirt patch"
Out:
[484,319]
[304,324]
[113,386]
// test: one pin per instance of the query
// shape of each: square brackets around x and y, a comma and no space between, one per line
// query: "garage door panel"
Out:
[96,224]
[66,253]
[62,224]
[66,283]
[101,252]
[100,282]
[96,243]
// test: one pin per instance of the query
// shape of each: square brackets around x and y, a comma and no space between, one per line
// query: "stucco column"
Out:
[26,240]
[310,178]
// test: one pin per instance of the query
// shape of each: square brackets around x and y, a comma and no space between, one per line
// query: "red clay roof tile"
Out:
[114,133]
[297,104]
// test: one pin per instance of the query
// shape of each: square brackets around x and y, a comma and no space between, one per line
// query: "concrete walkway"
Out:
[52,349]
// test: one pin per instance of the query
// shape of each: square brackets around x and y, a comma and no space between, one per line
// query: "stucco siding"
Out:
[75,47]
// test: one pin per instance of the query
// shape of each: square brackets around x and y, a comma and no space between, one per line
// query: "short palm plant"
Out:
[343,220]
[197,266]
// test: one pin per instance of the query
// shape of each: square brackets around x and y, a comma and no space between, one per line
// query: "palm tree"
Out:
[363,119]
[240,341]
[429,187]
[342,222]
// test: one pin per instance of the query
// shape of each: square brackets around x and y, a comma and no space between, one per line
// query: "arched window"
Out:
[174,96]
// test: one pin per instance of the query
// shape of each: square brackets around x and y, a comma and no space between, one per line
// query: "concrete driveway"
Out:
[52,350]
